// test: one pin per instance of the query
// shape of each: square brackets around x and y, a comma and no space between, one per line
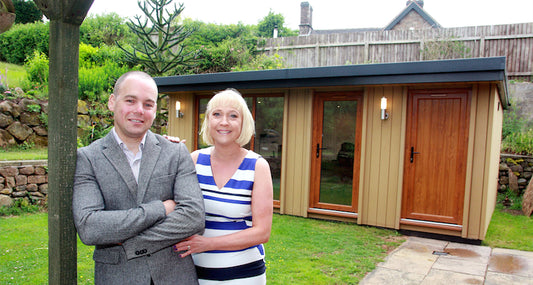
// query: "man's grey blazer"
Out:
[126,220]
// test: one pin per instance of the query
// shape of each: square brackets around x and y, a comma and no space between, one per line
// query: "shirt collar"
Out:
[123,145]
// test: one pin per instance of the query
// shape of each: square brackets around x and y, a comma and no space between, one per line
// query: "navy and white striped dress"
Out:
[229,210]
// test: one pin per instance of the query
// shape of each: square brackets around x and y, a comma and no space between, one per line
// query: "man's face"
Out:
[134,107]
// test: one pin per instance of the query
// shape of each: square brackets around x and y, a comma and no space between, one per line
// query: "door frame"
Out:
[318,114]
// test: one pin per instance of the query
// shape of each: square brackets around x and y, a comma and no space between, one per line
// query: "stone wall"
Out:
[515,172]
[23,180]
[21,121]
[29,179]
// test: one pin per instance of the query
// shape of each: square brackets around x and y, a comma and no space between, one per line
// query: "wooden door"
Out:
[436,153]
[336,149]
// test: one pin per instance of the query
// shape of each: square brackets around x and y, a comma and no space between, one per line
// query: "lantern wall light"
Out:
[179,114]
[384,113]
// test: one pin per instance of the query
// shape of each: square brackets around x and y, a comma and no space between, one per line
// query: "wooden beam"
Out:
[65,20]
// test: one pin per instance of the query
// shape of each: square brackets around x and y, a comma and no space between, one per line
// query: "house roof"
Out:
[340,31]
[413,6]
[488,69]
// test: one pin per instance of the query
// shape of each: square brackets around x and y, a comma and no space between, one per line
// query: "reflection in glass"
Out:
[338,137]
[268,132]
[268,137]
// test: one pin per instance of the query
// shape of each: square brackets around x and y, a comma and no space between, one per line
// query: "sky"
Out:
[338,14]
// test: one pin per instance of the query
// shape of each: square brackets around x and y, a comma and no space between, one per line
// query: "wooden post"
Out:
[62,124]
[65,17]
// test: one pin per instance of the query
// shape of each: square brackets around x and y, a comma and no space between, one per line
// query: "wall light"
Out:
[384,113]
[179,114]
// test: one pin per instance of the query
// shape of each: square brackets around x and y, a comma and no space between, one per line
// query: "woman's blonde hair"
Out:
[232,98]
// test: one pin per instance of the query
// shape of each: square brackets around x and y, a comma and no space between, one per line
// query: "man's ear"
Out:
[111,103]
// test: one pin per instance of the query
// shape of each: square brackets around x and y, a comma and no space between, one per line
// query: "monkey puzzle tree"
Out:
[159,47]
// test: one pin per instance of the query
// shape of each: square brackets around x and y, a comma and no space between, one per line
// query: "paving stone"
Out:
[413,262]
[511,264]
[460,265]
[467,252]
[390,276]
[409,261]
[494,278]
[444,277]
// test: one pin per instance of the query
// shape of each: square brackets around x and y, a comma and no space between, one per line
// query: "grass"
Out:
[15,74]
[17,153]
[300,251]
[508,229]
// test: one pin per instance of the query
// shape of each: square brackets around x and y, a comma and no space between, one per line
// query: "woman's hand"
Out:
[174,139]
[192,244]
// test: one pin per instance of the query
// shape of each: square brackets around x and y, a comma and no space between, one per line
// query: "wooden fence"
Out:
[515,41]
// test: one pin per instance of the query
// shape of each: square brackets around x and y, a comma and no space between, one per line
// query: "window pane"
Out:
[201,116]
[268,138]
[338,137]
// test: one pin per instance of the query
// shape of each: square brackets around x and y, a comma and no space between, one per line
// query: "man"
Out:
[136,194]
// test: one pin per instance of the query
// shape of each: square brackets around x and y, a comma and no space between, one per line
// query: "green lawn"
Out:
[300,251]
[12,74]
[510,230]
[23,154]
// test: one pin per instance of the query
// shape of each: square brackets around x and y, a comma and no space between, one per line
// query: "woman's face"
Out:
[225,124]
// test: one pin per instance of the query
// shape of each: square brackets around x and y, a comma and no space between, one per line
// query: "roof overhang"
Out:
[489,69]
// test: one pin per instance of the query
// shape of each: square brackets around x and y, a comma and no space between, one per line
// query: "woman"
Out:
[237,189]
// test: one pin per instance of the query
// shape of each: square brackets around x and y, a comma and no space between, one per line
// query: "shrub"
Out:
[222,57]
[97,56]
[97,80]
[519,142]
[515,137]
[512,123]
[37,68]
[34,108]
[20,206]
[106,29]
[262,62]
[20,42]
[509,199]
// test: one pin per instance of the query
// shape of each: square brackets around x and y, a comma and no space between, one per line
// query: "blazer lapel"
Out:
[149,159]
[117,158]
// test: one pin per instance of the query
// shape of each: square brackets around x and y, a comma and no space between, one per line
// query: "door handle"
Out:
[318,148]
[413,152]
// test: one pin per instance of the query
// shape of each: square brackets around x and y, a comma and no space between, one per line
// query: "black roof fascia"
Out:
[419,10]
[439,71]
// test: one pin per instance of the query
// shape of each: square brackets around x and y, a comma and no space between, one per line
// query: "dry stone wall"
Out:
[21,121]
[515,172]
[23,180]
[29,179]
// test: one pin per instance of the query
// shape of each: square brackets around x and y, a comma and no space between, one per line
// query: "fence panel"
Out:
[514,41]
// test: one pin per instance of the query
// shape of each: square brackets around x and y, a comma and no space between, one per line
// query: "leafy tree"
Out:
[270,22]
[159,48]
[105,29]
[27,12]
[219,48]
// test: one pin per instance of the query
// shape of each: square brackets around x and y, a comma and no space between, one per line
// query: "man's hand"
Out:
[169,206]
